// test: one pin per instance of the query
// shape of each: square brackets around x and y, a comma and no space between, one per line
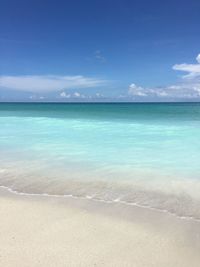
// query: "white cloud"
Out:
[198,58]
[135,90]
[77,94]
[36,97]
[183,90]
[47,83]
[138,91]
[192,69]
[189,87]
[64,95]
[98,95]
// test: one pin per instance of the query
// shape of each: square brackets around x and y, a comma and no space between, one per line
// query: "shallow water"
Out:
[145,154]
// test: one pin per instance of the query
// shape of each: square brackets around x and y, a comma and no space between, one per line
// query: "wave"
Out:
[163,197]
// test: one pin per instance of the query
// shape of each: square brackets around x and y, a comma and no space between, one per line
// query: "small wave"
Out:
[179,197]
[93,198]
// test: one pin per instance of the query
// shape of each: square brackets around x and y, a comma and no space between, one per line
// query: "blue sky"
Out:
[99,50]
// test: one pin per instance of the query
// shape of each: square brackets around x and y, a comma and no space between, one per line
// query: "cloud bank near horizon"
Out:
[47,83]
[65,87]
[188,87]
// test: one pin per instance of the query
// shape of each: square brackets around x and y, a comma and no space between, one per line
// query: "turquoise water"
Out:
[144,154]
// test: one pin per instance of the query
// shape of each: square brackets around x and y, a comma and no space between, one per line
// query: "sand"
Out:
[49,231]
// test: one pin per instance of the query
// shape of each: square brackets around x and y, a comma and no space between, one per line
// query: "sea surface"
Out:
[145,154]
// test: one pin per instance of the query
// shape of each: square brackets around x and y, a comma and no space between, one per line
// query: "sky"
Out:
[105,50]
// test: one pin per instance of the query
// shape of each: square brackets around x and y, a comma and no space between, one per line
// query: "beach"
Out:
[99,185]
[100,133]
[53,231]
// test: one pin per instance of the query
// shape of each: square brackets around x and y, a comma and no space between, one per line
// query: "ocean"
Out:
[145,154]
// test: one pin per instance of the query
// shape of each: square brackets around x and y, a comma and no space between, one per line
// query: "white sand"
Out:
[45,231]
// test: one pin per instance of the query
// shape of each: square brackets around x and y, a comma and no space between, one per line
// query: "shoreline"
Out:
[79,198]
[82,232]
